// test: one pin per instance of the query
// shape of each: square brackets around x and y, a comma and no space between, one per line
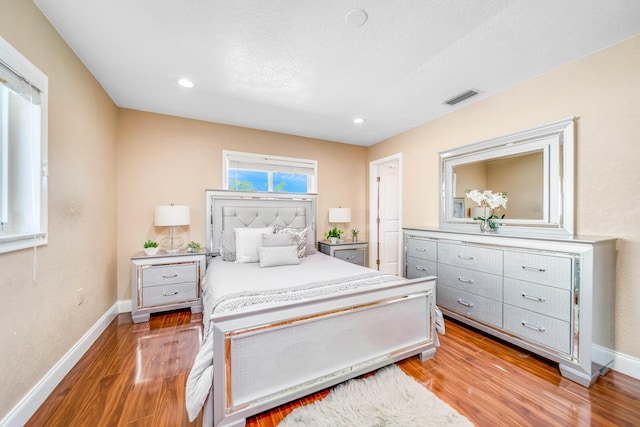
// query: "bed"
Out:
[280,328]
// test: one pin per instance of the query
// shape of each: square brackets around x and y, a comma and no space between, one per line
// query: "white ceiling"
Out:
[298,66]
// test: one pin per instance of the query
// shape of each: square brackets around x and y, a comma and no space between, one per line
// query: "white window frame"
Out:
[271,162]
[39,157]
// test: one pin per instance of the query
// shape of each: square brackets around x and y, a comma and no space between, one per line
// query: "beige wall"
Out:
[165,159]
[40,319]
[603,91]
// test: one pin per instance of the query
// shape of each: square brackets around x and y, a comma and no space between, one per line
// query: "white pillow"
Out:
[247,242]
[272,256]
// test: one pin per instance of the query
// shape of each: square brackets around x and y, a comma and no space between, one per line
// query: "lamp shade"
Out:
[340,215]
[172,215]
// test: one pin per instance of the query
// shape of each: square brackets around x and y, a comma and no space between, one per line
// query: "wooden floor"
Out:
[135,375]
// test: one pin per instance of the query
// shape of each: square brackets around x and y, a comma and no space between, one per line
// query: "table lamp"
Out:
[172,216]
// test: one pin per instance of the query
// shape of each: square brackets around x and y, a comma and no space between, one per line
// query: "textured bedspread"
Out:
[232,287]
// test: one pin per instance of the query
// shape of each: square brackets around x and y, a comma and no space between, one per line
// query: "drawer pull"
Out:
[470,258]
[168,294]
[350,257]
[533,298]
[465,280]
[466,304]
[169,276]
[420,268]
[540,270]
[535,328]
[421,249]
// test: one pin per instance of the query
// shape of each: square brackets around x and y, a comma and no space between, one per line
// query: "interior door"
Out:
[386,236]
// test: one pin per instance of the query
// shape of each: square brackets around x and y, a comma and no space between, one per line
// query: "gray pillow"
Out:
[228,245]
[282,239]
[272,256]
[298,235]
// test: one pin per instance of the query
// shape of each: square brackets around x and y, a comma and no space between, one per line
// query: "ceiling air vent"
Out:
[461,97]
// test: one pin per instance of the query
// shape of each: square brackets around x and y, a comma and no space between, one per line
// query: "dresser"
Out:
[554,297]
[165,282]
[353,252]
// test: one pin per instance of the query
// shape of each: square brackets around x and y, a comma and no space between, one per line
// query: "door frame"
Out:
[374,166]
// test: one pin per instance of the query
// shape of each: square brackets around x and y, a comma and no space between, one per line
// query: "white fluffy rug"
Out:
[388,398]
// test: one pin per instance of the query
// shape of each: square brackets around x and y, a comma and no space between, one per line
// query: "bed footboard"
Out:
[265,358]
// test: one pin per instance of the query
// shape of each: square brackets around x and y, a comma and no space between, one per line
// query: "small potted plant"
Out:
[354,233]
[193,247]
[334,234]
[151,247]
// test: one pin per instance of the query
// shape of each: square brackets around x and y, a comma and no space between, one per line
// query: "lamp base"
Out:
[171,245]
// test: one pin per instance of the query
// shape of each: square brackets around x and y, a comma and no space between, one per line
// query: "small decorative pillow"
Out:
[298,235]
[228,245]
[282,239]
[247,242]
[272,256]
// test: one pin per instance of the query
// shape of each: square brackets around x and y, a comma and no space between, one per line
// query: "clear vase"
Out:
[485,227]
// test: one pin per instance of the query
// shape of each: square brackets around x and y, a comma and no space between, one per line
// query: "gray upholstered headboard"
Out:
[235,209]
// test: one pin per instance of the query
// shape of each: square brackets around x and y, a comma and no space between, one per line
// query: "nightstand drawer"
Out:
[159,275]
[169,294]
[354,256]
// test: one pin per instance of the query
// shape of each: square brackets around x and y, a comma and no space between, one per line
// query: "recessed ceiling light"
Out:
[358,120]
[356,18]
[185,83]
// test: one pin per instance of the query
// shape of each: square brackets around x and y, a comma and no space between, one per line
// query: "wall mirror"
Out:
[534,167]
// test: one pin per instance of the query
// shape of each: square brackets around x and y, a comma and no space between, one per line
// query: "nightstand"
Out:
[165,282]
[353,252]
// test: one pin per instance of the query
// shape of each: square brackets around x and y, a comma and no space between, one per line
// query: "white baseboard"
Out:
[29,404]
[626,365]
[622,363]
[124,306]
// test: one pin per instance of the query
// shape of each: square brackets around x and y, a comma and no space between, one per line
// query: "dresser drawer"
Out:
[473,257]
[475,282]
[354,256]
[482,309]
[159,275]
[546,269]
[544,330]
[542,299]
[417,267]
[423,249]
[169,294]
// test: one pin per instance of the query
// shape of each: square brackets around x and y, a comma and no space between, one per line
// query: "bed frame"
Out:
[268,357]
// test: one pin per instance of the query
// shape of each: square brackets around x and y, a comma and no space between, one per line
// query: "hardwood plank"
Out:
[171,411]
[135,375]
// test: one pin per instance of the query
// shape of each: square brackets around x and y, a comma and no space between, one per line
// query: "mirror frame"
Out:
[556,140]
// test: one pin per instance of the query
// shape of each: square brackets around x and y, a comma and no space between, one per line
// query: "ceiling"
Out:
[309,67]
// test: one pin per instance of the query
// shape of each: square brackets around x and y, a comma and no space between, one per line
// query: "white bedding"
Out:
[233,277]
[231,286]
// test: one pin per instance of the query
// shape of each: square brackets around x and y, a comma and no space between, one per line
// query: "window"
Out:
[23,152]
[260,172]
